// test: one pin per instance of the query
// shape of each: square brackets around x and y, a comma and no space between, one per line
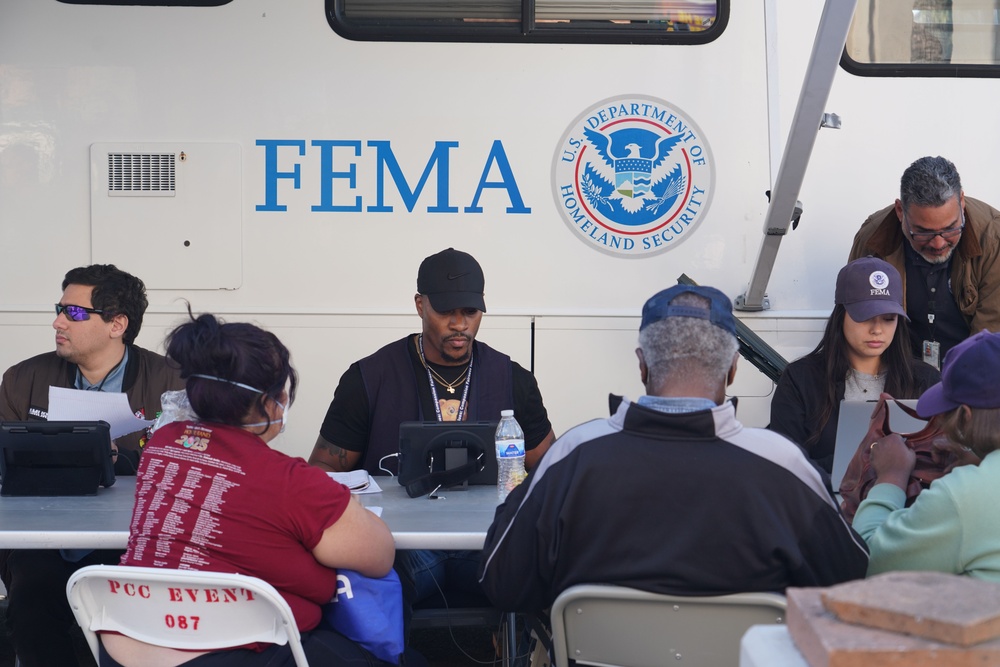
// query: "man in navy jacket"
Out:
[671,494]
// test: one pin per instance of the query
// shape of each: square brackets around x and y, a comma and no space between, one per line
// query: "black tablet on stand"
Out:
[430,451]
[57,458]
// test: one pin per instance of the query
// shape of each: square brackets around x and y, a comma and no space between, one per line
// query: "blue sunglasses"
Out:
[76,313]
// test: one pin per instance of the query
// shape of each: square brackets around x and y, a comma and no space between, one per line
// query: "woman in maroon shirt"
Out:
[211,494]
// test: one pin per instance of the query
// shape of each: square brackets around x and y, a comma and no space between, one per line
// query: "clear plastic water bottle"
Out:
[510,454]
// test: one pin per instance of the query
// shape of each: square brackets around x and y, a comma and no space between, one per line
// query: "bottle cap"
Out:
[506,413]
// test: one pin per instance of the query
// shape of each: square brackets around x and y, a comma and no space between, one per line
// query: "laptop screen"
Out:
[56,458]
[852,425]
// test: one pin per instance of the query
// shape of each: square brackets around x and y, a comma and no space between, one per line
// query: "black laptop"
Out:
[429,449]
[56,458]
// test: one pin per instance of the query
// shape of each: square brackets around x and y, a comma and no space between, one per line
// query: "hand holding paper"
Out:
[80,405]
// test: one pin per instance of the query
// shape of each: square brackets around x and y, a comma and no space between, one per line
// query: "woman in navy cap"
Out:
[865,350]
[951,526]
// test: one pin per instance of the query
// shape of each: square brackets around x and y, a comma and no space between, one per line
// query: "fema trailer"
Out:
[290,162]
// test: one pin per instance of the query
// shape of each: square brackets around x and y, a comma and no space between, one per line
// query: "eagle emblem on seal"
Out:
[633,173]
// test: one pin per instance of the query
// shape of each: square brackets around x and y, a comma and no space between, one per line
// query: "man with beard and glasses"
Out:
[440,374]
[951,276]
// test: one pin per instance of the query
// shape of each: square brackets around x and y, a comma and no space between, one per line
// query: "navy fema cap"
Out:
[719,313]
[869,287]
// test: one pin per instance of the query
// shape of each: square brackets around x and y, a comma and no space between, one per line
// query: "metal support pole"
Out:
[831,35]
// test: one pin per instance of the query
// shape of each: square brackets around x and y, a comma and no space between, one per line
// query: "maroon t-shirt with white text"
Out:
[218,498]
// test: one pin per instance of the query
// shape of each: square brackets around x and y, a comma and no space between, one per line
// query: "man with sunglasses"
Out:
[97,320]
[948,262]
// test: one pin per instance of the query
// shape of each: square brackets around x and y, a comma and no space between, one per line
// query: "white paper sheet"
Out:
[79,405]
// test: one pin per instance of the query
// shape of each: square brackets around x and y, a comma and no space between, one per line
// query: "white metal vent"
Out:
[141,175]
[133,203]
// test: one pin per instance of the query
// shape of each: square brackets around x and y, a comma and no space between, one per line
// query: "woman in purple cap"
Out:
[951,526]
[864,351]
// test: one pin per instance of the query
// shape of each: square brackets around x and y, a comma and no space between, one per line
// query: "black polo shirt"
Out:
[929,291]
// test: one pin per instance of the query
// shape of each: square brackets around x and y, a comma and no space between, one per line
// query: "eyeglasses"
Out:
[76,313]
[946,234]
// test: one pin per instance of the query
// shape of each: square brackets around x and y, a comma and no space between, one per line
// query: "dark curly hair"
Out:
[238,352]
[115,292]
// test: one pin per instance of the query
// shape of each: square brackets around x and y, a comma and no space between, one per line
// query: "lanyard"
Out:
[939,275]
[100,386]
[434,394]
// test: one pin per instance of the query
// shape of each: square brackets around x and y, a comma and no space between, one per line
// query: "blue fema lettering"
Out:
[276,159]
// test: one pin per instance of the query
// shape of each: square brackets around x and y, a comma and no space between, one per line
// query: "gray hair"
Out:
[930,181]
[695,347]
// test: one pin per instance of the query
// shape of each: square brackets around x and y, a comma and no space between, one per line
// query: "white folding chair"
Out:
[597,624]
[181,609]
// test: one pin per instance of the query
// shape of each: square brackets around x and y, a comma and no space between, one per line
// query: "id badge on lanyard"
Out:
[932,353]
[931,349]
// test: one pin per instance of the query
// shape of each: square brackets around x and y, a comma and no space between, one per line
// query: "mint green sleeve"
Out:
[925,536]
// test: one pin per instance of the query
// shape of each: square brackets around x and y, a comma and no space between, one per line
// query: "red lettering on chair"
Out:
[181,622]
[115,585]
[211,595]
[144,591]
[129,589]
[249,594]
[175,594]
[192,593]
[229,595]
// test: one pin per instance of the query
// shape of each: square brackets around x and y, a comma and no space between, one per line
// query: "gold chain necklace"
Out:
[449,386]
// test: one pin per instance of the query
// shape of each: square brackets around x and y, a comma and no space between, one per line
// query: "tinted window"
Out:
[593,21]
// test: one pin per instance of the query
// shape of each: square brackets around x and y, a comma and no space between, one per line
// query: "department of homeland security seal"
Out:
[633,176]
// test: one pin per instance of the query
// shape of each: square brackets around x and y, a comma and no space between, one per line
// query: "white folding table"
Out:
[458,519]
[69,522]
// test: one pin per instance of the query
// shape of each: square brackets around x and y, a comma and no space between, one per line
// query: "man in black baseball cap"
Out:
[452,279]
[440,374]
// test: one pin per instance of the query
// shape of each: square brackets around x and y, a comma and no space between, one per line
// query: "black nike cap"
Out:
[452,279]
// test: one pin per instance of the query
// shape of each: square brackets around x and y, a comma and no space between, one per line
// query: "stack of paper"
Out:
[358,481]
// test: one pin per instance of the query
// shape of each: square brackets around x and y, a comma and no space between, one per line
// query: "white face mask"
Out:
[284,406]
[284,418]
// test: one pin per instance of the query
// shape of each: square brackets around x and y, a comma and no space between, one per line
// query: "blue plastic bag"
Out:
[369,612]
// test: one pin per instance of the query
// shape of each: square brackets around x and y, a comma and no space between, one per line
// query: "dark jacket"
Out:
[691,504]
[975,269]
[798,403]
[24,393]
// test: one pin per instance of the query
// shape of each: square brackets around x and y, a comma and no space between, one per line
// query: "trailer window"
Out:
[151,3]
[924,38]
[567,21]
